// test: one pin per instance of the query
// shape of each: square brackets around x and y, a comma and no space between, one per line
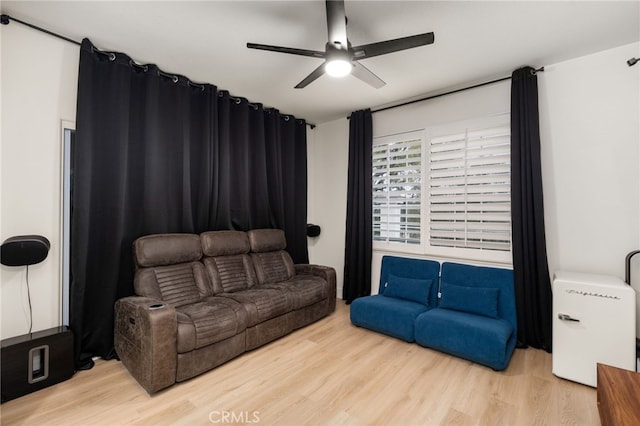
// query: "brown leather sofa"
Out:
[202,300]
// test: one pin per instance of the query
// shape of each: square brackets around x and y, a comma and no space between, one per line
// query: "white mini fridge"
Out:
[594,321]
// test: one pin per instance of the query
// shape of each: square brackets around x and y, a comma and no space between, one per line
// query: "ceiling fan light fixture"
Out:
[340,58]
[338,67]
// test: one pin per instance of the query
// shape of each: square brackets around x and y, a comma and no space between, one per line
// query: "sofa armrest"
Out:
[145,339]
[325,272]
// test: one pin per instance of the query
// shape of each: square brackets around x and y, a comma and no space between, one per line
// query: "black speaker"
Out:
[313,230]
[34,361]
[24,250]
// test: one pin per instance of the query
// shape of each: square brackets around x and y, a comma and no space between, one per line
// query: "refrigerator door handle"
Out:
[566,317]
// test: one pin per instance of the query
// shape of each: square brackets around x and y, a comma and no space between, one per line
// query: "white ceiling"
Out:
[206,41]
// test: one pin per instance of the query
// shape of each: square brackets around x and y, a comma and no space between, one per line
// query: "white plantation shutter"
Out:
[397,186]
[469,189]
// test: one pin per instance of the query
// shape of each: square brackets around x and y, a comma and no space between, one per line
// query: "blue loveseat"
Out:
[466,311]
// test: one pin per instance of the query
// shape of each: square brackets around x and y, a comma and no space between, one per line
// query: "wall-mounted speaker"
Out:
[24,250]
[313,230]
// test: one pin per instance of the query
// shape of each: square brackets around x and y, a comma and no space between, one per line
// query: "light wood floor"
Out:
[329,373]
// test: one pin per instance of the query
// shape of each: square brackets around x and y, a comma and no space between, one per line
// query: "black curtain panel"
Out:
[261,171]
[531,271]
[293,153]
[156,153]
[241,166]
[142,164]
[358,238]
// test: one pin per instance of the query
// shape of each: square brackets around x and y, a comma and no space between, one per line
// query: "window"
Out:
[445,190]
[397,188]
[470,189]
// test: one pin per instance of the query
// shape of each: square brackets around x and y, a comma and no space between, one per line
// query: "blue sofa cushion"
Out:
[475,300]
[484,340]
[411,289]
[483,276]
[421,269]
[387,315]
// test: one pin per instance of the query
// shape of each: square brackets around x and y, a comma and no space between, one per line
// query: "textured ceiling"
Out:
[206,41]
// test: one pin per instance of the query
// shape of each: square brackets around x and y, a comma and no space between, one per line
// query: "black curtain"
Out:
[358,239]
[261,172]
[531,271]
[156,153]
[287,177]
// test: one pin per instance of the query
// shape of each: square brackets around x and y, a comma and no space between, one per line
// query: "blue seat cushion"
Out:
[387,315]
[487,341]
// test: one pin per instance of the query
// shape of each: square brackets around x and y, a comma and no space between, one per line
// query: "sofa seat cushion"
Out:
[302,290]
[391,316]
[474,337]
[261,304]
[210,321]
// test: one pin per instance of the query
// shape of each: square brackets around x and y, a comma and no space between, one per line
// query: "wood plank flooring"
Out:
[329,373]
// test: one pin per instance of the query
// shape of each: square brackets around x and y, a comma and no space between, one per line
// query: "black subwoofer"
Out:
[34,361]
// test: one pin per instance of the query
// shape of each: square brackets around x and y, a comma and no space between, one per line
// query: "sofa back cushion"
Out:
[489,280]
[474,300]
[415,290]
[177,285]
[419,269]
[272,263]
[227,261]
[168,268]
[229,274]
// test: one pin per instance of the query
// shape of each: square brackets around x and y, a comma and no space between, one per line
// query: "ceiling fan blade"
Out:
[364,74]
[337,24]
[389,46]
[290,50]
[311,77]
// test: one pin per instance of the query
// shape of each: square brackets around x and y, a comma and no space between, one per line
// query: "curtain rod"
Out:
[451,92]
[6,19]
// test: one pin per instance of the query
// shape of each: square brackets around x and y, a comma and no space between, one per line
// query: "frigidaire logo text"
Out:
[590,293]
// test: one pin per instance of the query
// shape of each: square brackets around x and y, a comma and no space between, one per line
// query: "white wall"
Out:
[590,145]
[590,135]
[328,152]
[39,84]
[589,113]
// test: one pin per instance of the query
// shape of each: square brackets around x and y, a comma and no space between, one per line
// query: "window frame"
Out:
[424,248]
[399,138]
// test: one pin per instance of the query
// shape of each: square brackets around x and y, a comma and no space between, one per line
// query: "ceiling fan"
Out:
[340,57]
